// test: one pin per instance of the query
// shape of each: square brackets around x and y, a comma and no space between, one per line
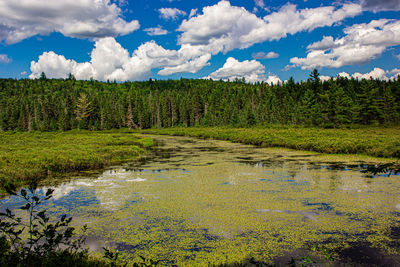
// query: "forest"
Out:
[54,129]
[64,104]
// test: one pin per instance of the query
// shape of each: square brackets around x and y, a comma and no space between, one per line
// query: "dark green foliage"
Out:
[37,239]
[51,104]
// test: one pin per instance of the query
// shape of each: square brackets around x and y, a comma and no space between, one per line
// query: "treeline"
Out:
[64,104]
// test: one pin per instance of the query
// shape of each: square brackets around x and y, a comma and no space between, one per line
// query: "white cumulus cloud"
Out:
[262,55]
[273,80]
[55,66]
[110,61]
[361,44]
[191,66]
[251,70]
[324,78]
[171,13]
[376,73]
[394,73]
[156,31]
[218,28]
[74,18]
[223,27]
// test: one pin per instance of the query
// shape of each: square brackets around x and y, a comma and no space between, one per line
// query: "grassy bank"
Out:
[372,141]
[25,156]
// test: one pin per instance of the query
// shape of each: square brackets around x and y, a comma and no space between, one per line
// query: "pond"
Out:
[199,202]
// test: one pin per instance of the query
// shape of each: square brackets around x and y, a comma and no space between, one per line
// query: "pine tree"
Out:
[83,108]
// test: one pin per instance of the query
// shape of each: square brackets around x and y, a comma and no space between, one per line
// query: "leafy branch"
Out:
[44,236]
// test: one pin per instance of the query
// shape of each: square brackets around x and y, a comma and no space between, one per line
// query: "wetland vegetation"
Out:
[205,202]
[35,156]
[371,141]
[210,202]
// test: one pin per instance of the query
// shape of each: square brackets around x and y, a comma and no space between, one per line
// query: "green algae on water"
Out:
[202,202]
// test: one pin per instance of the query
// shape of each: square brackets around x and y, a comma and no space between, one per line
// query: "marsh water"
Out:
[196,202]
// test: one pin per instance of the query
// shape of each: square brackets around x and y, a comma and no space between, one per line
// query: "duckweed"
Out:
[251,202]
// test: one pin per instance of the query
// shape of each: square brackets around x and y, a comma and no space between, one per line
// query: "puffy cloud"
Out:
[362,43]
[395,73]
[110,61]
[345,75]
[327,42]
[379,5]
[324,78]
[376,73]
[55,66]
[5,59]
[289,20]
[74,18]
[223,27]
[191,66]
[262,55]
[171,13]
[156,31]
[107,56]
[252,71]
[219,28]
[273,79]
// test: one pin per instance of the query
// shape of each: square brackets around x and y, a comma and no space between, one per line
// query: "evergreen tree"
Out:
[83,108]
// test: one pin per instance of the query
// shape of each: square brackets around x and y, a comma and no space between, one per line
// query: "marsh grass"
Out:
[38,155]
[371,141]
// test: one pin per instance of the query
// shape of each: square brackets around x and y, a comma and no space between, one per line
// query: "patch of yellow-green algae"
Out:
[213,202]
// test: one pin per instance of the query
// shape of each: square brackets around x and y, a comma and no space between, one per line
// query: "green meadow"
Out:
[38,155]
[371,141]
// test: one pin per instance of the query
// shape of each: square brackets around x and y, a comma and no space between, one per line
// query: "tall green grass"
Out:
[372,141]
[25,156]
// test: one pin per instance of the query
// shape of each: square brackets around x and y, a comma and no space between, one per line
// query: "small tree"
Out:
[46,240]
[83,108]
[71,77]
[43,76]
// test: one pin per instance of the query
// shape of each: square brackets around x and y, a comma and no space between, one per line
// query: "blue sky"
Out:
[261,40]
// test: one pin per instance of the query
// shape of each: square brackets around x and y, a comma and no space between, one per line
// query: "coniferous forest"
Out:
[63,104]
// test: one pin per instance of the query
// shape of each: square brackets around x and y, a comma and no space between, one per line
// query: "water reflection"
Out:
[198,201]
